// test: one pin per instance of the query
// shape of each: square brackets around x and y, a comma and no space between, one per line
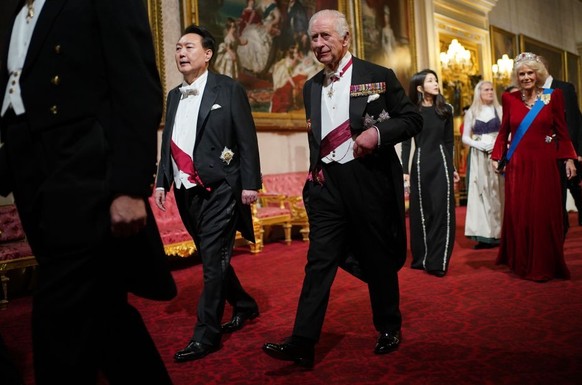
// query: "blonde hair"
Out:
[532,61]
[478,104]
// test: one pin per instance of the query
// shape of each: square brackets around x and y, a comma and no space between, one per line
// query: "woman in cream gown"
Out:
[486,187]
[258,38]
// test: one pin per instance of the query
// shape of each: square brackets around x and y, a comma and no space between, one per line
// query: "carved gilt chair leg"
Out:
[305,233]
[287,230]
[257,247]
[4,279]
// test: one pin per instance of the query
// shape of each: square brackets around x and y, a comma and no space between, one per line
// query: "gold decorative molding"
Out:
[472,12]
[461,32]
[189,12]
[154,8]
[180,249]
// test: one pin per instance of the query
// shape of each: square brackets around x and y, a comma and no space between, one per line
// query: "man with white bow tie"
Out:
[356,112]
[210,155]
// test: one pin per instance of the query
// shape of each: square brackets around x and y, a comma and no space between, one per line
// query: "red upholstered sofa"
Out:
[177,241]
[15,252]
[280,203]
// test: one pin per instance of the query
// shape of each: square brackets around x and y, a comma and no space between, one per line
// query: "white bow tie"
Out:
[334,76]
[185,91]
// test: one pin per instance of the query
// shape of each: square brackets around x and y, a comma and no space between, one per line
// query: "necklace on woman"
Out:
[525,100]
[30,12]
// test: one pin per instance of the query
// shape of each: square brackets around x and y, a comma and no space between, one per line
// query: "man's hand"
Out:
[128,215]
[366,142]
[495,165]
[160,199]
[249,196]
[570,169]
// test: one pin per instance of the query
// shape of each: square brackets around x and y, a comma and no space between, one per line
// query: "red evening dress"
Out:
[532,236]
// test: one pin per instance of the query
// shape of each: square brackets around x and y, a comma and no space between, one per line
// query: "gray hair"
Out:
[341,24]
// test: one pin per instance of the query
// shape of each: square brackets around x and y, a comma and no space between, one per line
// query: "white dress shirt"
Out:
[184,130]
[336,110]
[19,43]
[548,83]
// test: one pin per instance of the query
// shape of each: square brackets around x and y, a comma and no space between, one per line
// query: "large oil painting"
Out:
[387,35]
[502,42]
[554,56]
[573,72]
[264,45]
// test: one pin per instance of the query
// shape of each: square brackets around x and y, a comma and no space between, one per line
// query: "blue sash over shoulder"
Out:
[526,122]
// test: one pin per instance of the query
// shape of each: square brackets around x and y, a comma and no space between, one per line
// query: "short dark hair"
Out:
[208,41]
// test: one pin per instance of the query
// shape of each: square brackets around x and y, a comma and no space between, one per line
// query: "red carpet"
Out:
[478,325]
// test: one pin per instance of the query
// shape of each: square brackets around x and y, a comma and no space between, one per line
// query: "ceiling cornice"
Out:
[473,12]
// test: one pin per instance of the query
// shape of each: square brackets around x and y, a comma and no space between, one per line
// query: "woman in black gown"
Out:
[431,176]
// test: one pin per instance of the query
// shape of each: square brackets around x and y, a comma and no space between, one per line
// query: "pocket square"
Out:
[215,107]
[373,97]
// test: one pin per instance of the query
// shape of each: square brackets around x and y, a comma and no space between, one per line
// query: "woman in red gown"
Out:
[532,237]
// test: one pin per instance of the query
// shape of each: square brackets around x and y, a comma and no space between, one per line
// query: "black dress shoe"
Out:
[388,342]
[437,273]
[287,351]
[483,245]
[238,321]
[194,351]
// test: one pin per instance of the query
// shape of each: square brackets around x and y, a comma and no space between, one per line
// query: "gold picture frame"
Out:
[390,22]
[553,55]
[573,72]
[260,85]
[154,10]
[502,42]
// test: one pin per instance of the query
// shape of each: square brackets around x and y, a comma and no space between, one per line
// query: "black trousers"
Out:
[211,219]
[354,211]
[575,190]
[9,374]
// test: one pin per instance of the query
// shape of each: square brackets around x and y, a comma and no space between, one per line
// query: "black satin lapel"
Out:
[316,106]
[208,98]
[358,104]
[19,5]
[173,102]
[46,18]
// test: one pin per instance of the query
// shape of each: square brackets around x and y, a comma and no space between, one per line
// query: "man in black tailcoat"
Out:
[574,123]
[210,156]
[356,112]
[81,105]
